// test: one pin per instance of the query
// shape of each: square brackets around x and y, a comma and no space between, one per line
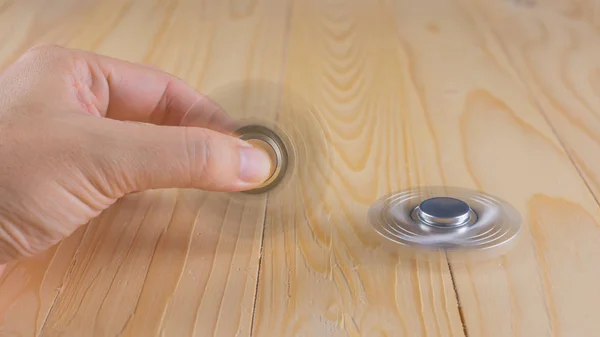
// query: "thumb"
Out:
[140,156]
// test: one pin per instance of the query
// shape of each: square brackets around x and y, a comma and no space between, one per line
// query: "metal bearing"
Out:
[267,140]
[446,218]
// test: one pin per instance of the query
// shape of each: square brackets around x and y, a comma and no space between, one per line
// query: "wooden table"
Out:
[501,96]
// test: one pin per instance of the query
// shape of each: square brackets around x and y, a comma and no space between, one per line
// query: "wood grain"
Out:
[29,287]
[162,273]
[493,135]
[323,272]
[552,48]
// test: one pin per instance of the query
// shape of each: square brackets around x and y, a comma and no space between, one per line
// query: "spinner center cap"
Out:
[444,212]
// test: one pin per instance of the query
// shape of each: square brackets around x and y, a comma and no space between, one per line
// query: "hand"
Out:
[79,130]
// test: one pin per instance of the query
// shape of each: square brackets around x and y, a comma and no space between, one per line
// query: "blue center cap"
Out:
[444,212]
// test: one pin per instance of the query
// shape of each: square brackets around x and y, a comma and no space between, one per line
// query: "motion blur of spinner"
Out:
[464,224]
[292,132]
[419,223]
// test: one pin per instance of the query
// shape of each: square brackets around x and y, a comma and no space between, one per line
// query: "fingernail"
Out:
[255,165]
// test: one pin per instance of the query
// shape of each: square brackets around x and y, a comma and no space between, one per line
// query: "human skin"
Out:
[80,130]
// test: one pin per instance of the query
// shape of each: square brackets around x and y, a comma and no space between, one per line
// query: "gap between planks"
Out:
[284,58]
[260,258]
[450,268]
[461,314]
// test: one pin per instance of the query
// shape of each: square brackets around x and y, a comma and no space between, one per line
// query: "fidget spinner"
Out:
[276,148]
[445,218]
[293,134]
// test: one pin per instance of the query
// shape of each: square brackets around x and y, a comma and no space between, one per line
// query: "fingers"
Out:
[141,93]
[135,92]
[137,157]
[181,141]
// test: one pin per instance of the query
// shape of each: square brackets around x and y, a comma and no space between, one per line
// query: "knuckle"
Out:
[206,168]
[13,244]
[48,55]
[44,51]
[198,154]
[44,48]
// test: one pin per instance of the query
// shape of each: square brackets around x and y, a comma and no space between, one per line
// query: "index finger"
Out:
[141,93]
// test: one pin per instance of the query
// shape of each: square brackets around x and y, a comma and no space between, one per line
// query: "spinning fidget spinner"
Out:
[291,132]
[270,142]
[445,218]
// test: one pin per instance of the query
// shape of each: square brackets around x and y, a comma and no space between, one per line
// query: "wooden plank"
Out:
[552,48]
[151,265]
[29,287]
[493,135]
[26,23]
[161,262]
[323,271]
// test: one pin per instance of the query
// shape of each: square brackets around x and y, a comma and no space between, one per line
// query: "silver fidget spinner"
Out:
[292,132]
[445,218]
[297,144]
[274,145]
